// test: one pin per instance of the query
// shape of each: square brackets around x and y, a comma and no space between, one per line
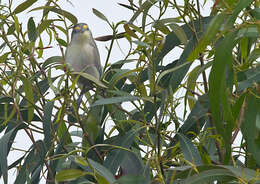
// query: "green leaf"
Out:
[179,33]
[51,61]
[218,91]
[23,6]
[40,50]
[248,128]
[126,6]
[131,164]
[47,123]
[188,150]
[120,74]
[90,77]
[61,12]
[103,171]
[16,24]
[142,44]
[99,14]
[62,42]
[195,120]
[222,173]
[2,45]
[179,71]
[255,13]
[112,100]
[69,175]
[32,31]
[144,7]
[43,25]
[208,36]
[6,142]
[160,26]
[129,31]
[239,7]
[255,54]
[250,32]
[28,89]
[253,77]
[130,179]
[4,57]
[91,126]
[196,117]
[11,29]
[32,164]
[247,174]
[115,157]
[172,39]
[6,99]
[210,176]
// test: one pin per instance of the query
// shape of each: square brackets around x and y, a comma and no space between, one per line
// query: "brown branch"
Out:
[239,122]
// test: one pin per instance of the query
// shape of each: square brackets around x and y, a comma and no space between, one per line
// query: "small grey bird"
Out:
[82,56]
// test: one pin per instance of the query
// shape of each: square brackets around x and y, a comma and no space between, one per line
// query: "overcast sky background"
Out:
[82,9]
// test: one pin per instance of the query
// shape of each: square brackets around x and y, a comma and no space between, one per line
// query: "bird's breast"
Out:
[80,56]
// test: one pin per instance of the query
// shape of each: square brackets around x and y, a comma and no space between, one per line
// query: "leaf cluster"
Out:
[129,128]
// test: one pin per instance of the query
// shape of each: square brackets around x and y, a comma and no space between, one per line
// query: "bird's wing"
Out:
[97,56]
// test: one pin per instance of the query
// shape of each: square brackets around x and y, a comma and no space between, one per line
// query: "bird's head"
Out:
[81,32]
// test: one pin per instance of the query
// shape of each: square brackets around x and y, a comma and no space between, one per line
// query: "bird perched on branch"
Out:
[82,56]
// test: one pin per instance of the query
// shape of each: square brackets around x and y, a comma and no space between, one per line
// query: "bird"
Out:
[82,55]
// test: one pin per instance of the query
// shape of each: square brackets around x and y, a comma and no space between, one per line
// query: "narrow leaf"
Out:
[208,36]
[28,89]
[61,12]
[32,31]
[69,175]
[6,142]
[112,100]
[103,171]
[47,123]
[23,6]
[99,14]
[189,151]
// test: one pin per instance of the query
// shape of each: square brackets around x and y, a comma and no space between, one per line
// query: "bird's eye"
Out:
[77,28]
[85,27]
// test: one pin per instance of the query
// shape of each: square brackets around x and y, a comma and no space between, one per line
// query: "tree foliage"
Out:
[216,78]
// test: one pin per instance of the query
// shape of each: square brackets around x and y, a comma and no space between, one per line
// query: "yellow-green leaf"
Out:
[130,31]
[69,175]
[99,14]
[23,6]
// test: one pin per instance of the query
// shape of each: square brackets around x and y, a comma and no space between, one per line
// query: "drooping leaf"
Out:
[44,25]
[99,14]
[248,128]
[32,31]
[208,36]
[23,6]
[112,100]
[33,162]
[5,145]
[218,91]
[28,88]
[47,124]
[239,7]
[69,175]
[61,12]
[189,151]
[115,157]
[102,170]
